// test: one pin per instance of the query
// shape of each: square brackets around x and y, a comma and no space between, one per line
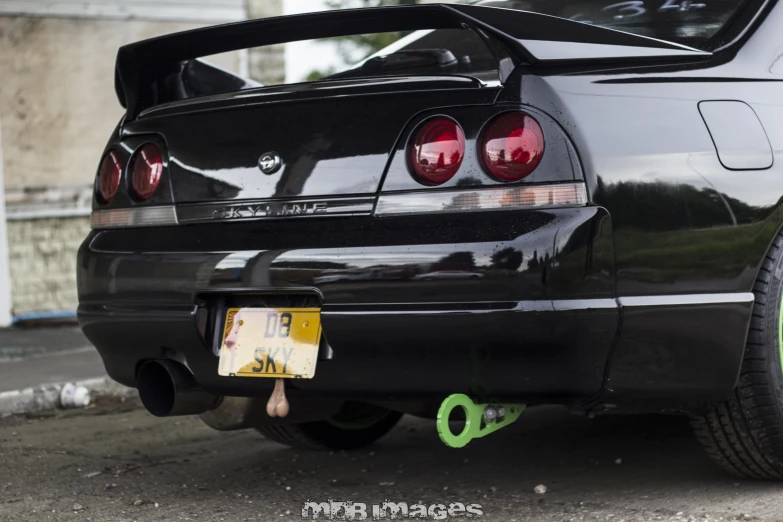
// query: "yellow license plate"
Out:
[270,342]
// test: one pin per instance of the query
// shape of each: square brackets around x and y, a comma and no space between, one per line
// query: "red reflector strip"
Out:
[483,199]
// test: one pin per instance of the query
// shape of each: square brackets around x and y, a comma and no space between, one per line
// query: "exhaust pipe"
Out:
[167,388]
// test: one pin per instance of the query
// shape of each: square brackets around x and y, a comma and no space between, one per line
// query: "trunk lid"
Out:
[334,141]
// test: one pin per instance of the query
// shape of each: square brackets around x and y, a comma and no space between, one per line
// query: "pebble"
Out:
[138,502]
[78,507]
[540,489]
[92,474]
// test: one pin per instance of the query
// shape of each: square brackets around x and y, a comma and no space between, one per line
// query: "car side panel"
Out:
[684,225]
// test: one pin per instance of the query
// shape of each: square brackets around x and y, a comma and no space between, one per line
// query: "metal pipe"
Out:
[167,388]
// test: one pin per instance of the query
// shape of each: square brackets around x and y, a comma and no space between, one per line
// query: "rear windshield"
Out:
[687,22]
[429,52]
[462,52]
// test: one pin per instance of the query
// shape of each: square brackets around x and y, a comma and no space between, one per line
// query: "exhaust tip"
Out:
[156,388]
[167,388]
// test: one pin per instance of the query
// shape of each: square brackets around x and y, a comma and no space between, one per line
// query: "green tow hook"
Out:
[495,417]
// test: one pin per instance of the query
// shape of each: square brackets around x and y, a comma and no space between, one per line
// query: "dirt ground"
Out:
[115,462]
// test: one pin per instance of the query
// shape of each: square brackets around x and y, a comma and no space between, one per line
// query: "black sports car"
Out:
[516,203]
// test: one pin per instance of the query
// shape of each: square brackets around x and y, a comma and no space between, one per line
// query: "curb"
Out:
[47,396]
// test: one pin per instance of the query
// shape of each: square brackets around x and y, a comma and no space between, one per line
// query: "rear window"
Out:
[462,52]
[686,22]
[433,52]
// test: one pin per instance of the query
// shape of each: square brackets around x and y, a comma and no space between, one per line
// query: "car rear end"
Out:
[336,199]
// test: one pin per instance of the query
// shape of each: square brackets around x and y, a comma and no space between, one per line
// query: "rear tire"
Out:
[744,434]
[356,425]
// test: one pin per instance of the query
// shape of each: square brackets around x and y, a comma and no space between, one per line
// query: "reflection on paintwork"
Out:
[525,264]
[328,173]
[683,223]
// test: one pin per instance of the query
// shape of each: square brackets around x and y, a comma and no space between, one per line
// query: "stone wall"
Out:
[43,262]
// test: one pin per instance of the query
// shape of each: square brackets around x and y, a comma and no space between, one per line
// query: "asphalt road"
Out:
[115,462]
[55,367]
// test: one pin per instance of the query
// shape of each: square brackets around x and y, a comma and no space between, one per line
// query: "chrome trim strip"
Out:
[158,216]
[274,209]
[540,305]
[418,312]
[514,197]
[685,299]
[564,305]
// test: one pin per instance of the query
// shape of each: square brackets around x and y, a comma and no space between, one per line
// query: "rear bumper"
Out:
[517,353]
[505,305]
[512,306]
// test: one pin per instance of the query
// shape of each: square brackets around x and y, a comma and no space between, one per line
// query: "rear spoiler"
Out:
[151,72]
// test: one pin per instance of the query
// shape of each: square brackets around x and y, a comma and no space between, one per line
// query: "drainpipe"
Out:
[5,272]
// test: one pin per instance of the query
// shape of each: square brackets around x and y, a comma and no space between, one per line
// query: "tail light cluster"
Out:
[510,147]
[145,170]
[109,176]
[146,167]
[437,150]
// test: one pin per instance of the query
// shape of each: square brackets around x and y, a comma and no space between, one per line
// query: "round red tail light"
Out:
[513,146]
[109,175]
[436,151]
[146,170]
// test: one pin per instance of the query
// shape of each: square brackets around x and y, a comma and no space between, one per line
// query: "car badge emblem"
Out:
[269,162]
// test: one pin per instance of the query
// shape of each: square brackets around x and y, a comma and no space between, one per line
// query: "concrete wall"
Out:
[42,255]
[267,64]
